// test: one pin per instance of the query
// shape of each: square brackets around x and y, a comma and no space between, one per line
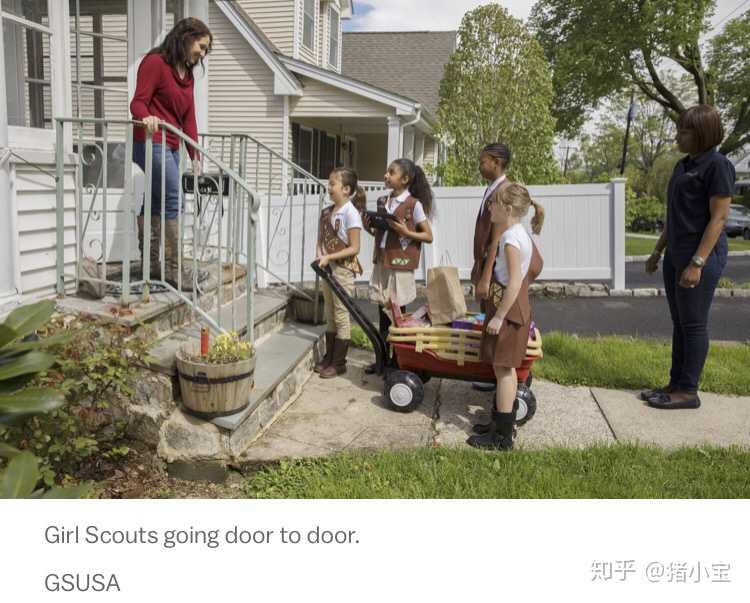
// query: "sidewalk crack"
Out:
[436,416]
[604,415]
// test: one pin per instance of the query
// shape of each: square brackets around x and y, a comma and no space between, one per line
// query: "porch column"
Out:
[394,139]
[7,236]
[199,10]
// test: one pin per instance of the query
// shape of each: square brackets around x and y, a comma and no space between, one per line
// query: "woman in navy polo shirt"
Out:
[698,199]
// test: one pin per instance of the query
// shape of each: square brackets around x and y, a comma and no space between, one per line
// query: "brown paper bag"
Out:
[445,296]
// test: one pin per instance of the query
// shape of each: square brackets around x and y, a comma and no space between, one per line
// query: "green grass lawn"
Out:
[616,471]
[629,363]
[639,246]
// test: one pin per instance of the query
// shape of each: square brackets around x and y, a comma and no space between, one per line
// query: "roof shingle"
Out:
[408,63]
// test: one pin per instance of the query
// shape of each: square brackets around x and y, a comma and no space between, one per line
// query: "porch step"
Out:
[269,314]
[277,357]
[165,310]
[197,449]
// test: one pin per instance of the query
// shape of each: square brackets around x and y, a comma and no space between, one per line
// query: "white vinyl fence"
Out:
[583,237]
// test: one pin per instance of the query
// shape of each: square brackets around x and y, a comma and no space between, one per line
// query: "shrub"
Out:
[643,214]
[93,372]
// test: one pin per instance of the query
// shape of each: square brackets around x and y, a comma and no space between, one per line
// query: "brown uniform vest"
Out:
[330,241]
[509,347]
[394,256]
[483,232]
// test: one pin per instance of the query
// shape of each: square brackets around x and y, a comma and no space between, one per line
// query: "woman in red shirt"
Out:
[164,93]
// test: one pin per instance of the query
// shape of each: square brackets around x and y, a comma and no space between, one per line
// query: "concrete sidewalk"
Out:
[347,414]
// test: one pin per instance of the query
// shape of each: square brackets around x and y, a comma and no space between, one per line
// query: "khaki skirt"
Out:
[387,284]
[507,349]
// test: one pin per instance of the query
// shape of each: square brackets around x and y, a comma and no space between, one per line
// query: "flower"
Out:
[227,348]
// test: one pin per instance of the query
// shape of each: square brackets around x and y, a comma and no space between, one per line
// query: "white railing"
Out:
[216,221]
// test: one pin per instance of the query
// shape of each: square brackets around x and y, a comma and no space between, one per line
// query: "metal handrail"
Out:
[250,204]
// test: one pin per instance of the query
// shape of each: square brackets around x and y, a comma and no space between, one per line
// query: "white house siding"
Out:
[241,98]
[35,202]
[276,19]
[309,55]
[322,100]
[429,151]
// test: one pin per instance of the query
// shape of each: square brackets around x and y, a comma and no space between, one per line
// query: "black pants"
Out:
[689,310]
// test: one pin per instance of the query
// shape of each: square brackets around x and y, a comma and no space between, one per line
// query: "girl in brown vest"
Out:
[397,251]
[493,163]
[338,246]
[506,327]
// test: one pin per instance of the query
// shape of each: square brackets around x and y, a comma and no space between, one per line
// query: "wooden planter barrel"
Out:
[213,390]
[304,308]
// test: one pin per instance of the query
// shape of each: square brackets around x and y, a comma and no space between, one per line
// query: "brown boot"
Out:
[338,364]
[155,238]
[171,259]
[328,357]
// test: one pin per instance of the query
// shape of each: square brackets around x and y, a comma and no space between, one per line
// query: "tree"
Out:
[598,48]
[730,63]
[497,87]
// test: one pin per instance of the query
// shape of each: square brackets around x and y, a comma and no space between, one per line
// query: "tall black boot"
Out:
[499,438]
[384,325]
[481,428]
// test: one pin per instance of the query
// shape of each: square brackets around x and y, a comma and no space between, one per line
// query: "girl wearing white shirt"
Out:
[338,246]
[506,327]
[398,250]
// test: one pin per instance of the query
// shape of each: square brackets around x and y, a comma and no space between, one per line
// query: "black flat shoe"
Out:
[371,369]
[663,401]
[650,393]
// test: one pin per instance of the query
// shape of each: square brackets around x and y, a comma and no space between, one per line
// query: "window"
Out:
[333,53]
[98,45]
[26,43]
[308,25]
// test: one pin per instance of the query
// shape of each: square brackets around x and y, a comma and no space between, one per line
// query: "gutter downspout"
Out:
[409,123]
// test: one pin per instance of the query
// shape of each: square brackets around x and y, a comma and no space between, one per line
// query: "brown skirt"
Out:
[507,349]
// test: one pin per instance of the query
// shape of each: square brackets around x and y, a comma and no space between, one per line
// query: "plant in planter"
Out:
[219,382]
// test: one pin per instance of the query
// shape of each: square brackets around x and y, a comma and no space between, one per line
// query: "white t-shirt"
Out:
[518,237]
[392,204]
[348,217]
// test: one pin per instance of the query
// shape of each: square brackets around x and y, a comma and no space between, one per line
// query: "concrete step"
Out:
[193,447]
[270,312]
[165,311]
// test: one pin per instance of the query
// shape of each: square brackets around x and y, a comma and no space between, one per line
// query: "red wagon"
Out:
[420,353]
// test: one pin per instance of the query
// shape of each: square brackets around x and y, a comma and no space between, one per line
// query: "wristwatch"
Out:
[698,261]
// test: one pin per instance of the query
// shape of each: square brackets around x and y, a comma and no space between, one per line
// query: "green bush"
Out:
[93,372]
[642,213]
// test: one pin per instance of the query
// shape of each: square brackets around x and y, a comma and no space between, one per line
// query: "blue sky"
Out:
[412,15]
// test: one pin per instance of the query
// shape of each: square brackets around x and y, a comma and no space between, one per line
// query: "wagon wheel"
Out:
[525,404]
[403,391]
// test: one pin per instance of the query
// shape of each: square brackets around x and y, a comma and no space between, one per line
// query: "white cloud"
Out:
[415,15]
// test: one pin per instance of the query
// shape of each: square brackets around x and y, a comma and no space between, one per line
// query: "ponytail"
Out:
[360,200]
[538,220]
[418,186]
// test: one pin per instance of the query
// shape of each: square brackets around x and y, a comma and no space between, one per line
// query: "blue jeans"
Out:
[689,310]
[171,180]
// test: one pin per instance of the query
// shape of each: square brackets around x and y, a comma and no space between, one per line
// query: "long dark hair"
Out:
[349,178]
[418,185]
[175,46]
